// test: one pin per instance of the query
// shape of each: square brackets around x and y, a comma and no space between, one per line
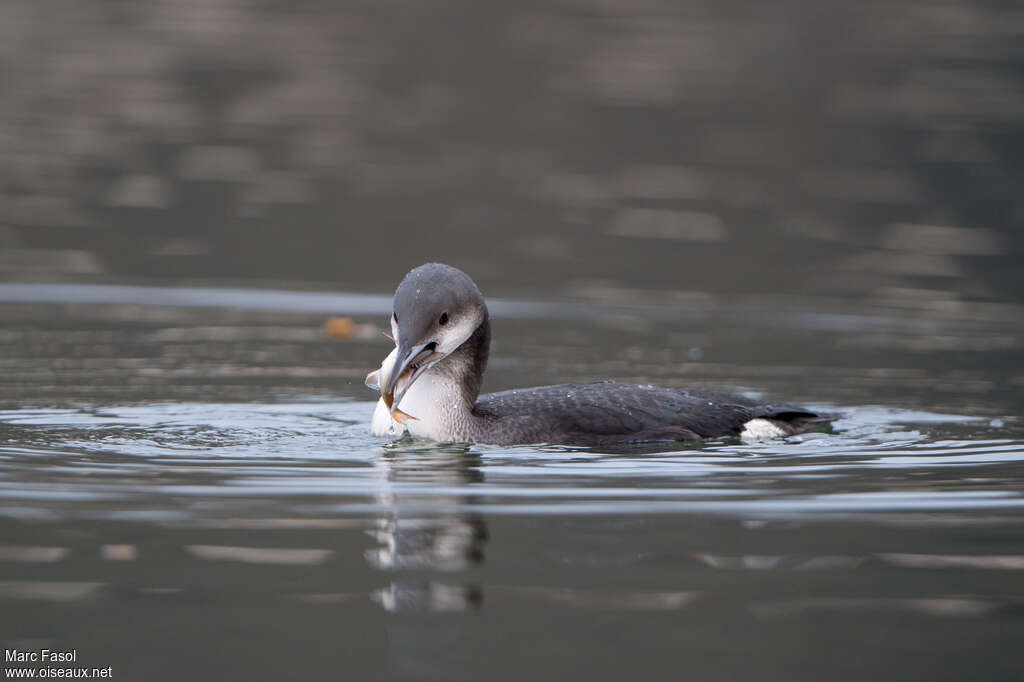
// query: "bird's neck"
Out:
[465,367]
[442,399]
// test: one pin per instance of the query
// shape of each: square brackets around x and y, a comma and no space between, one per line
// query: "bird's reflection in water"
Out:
[425,531]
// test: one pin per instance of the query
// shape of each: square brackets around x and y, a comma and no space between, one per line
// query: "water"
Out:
[192,492]
[819,202]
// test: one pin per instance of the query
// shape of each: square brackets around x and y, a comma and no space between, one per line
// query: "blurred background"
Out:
[618,151]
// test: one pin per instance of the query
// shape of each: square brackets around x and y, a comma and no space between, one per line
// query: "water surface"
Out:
[192,491]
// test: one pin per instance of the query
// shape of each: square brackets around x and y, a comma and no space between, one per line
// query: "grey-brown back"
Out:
[609,412]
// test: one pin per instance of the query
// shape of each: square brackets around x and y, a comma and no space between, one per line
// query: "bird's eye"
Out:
[395,315]
[444,319]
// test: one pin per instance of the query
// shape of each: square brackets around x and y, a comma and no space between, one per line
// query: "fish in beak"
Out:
[412,362]
[381,377]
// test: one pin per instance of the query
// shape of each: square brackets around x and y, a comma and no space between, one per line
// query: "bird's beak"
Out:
[411,362]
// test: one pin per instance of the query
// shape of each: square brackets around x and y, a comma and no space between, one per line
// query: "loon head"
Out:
[437,309]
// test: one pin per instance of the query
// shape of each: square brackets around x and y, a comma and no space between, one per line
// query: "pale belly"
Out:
[424,402]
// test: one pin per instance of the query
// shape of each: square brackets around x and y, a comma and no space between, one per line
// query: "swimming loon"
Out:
[442,332]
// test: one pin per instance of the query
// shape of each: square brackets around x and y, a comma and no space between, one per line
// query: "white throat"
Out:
[435,400]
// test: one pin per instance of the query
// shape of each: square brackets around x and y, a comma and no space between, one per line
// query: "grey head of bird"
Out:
[436,309]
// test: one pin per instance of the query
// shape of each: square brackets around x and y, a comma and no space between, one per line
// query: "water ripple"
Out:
[201,461]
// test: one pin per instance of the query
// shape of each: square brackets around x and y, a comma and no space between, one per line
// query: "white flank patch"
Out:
[760,429]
